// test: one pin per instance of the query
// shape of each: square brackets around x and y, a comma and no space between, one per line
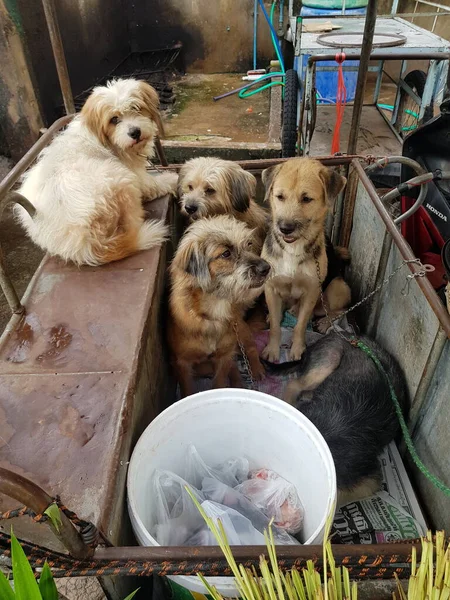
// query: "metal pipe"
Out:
[260,164]
[381,56]
[403,160]
[5,282]
[58,54]
[32,496]
[160,152]
[288,556]
[19,169]
[366,50]
[405,250]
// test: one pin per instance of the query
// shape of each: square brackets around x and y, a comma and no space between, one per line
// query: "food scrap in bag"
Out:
[275,497]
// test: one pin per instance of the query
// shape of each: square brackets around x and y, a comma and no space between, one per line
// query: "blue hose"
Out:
[275,41]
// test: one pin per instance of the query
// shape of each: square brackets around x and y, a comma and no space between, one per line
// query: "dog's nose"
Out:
[134,133]
[286,227]
[190,208]
[262,268]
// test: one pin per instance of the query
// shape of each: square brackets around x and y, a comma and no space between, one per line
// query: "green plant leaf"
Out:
[132,594]
[25,585]
[6,592]
[54,515]
[47,586]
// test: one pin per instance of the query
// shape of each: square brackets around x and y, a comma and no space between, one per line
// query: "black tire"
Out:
[289,129]
[406,122]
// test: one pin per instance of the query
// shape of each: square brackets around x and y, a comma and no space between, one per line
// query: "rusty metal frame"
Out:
[32,496]
[210,560]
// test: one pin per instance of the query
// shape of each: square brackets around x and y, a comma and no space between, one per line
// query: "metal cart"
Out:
[420,44]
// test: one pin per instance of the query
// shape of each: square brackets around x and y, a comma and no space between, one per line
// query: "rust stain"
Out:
[59,340]
[23,340]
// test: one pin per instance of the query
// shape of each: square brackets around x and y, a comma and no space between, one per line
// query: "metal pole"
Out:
[366,49]
[58,53]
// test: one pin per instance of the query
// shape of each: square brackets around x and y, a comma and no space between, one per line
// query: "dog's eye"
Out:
[114,120]
[190,188]
[306,199]
[280,197]
[249,244]
[210,191]
[225,254]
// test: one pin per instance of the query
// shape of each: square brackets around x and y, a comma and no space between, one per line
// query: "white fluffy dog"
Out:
[89,183]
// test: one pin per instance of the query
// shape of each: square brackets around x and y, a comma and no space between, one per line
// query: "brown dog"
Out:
[208,187]
[215,276]
[300,192]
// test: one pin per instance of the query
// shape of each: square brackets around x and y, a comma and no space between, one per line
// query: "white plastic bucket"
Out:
[229,423]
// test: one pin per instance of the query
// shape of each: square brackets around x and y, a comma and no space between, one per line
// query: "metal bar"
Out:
[426,102]
[58,53]
[405,250]
[260,164]
[32,496]
[376,55]
[287,555]
[5,282]
[387,16]
[428,3]
[376,93]
[19,169]
[160,152]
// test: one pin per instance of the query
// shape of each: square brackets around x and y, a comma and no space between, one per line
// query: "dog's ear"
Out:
[93,116]
[181,176]
[267,177]
[333,183]
[242,189]
[149,97]
[190,259]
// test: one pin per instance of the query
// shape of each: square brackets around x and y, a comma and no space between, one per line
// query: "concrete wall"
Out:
[217,34]
[95,38]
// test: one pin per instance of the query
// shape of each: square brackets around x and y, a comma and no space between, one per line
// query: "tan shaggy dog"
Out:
[211,186]
[215,276]
[300,192]
[88,185]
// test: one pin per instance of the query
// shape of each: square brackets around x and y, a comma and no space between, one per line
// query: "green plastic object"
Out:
[335,4]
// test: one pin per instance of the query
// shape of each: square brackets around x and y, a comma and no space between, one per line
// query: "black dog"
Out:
[341,390]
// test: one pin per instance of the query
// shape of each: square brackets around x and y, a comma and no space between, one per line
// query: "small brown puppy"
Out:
[300,192]
[211,186]
[215,276]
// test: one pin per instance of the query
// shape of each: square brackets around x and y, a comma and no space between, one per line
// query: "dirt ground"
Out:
[196,116]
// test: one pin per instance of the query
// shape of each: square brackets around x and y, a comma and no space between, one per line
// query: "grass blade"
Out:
[6,592]
[54,515]
[47,586]
[25,585]
[132,595]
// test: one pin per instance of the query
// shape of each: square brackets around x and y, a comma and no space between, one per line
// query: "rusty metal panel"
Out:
[431,439]
[80,378]
[366,242]
[406,324]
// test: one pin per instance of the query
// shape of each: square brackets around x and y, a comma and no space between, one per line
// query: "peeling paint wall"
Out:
[217,34]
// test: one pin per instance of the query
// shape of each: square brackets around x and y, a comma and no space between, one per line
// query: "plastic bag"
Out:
[231,472]
[221,494]
[239,530]
[276,498]
[175,516]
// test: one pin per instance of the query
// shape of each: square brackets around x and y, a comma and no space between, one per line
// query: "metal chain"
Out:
[409,278]
[244,356]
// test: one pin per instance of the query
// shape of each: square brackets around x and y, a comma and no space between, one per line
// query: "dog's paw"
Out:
[296,351]
[322,325]
[271,353]
[168,181]
[258,370]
